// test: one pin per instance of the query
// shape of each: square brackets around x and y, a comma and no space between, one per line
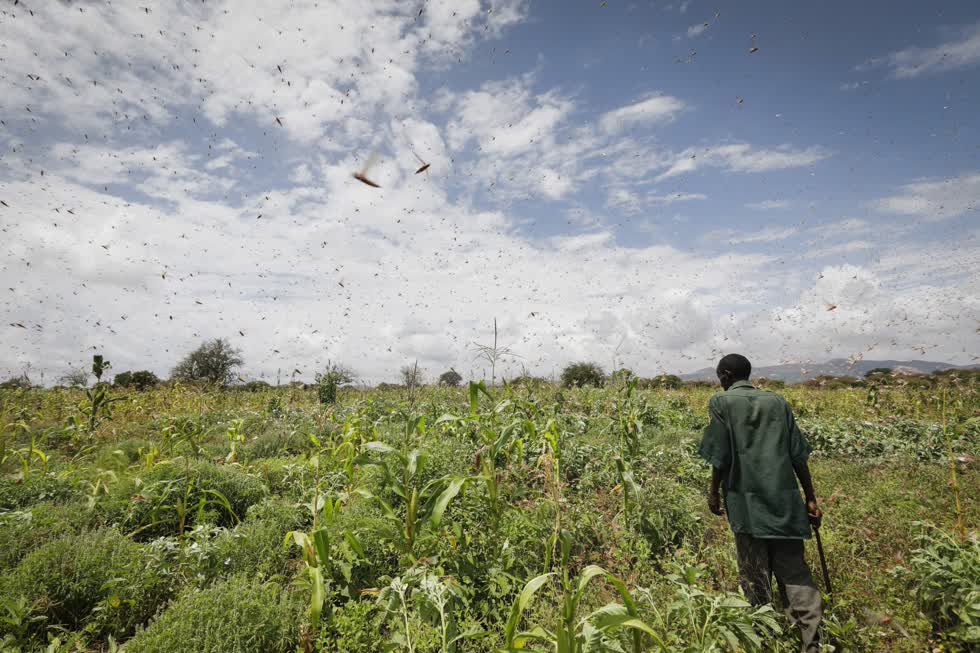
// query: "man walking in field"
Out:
[757,453]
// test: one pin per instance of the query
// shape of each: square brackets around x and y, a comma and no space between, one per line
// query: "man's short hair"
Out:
[736,364]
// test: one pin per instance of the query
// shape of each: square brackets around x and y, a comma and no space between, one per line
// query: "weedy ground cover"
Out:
[471,519]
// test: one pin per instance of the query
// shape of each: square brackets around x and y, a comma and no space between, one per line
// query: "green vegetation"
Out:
[238,615]
[473,519]
[139,380]
[577,375]
[214,362]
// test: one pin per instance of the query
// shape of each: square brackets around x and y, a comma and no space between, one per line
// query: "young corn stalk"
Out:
[100,404]
[27,454]
[235,437]
[697,621]
[630,421]
[628,485]
[573,634]
[319,554]
[953,478]
[8,436]
[498,443]
[418,507]
[551,464]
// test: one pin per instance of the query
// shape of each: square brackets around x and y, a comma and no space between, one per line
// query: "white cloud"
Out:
[696,30]
[839,249]
[506,118]
[934,199]
[634,202]
[315,74]
[765,235]
[743,157]
[769,205]
[652,110]
[960,52]
[301,174]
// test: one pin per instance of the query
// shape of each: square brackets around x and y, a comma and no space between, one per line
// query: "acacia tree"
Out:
[74,378]
[333,377]
[452,378]
[581,374]
[412,375]
[138,380]
[215,361]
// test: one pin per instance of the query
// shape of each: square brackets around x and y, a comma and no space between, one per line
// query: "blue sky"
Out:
[620,182]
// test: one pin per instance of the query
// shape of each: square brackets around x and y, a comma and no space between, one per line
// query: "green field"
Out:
[418,517]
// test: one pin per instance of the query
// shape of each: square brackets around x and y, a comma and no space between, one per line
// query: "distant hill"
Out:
[793,373]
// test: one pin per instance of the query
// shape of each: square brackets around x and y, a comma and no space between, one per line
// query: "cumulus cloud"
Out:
[506,118]
[934,199]
[743,157]
[651,110]
[961,51]
[765,235]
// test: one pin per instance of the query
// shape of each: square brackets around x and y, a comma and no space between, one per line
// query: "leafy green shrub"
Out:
[946,573]
[239,615]
[881,438]
[276,441]
[354,627]
[122,454]
[255,546]
[667,515]
[173,497]
[35,489]
[22,532]
[101,581]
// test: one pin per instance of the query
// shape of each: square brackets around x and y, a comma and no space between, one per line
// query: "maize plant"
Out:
[550,461]
[8,436]
[319,555]
[628,485]
[100,404]
[499,445]
[418,507]
[630,421]
[28,454]
[235,437]
[693,620]
[574,634]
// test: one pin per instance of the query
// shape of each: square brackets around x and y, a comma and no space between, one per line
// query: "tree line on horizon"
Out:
[217,363]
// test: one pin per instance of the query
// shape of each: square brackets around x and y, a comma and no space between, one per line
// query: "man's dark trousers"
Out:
[761,558]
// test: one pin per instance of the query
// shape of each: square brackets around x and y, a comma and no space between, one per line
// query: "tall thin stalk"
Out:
[953,478]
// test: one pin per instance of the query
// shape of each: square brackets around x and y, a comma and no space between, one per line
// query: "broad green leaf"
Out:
[520,604]
[445,497]
[354,544]
[321,540]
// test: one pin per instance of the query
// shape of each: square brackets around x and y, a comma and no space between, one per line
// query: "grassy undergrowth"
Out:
[456,520]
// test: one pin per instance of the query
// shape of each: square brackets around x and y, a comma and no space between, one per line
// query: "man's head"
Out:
[732,368]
